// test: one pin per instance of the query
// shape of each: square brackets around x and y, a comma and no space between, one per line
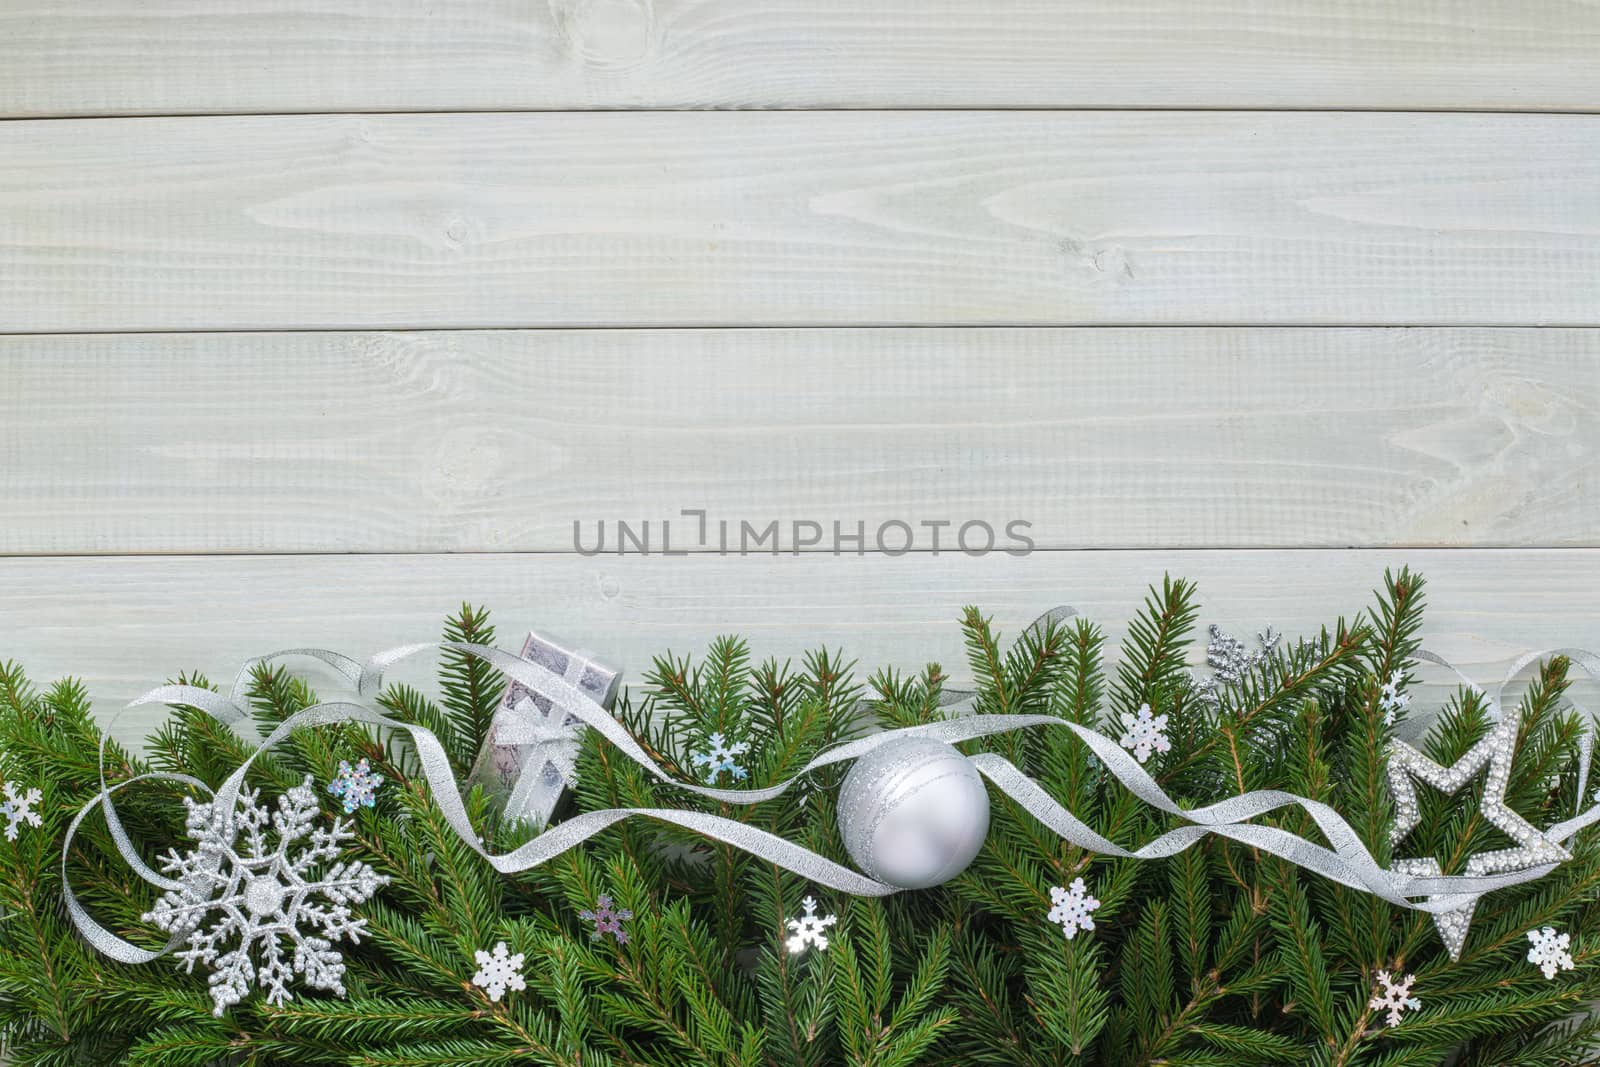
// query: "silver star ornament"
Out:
[1533,848]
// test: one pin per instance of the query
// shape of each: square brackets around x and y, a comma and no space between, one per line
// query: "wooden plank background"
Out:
[814,218]
[501,440]
[125,57]
[316,318]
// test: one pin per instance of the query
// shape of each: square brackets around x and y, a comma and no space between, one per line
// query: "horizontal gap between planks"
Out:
[788,553]
[817,327]
[864,109]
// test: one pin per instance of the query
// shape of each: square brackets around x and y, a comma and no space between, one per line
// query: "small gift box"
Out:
[529,754]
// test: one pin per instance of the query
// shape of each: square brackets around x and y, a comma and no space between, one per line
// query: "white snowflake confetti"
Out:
[357,785]
[720,759]
[1146,733]
[1394,997]
[809,929]
[266,894]
[1073,907]
[607,920]
[1549,951]
[1391,700]
[17,808]
[499,972]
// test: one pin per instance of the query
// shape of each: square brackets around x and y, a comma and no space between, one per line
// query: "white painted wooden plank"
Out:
[739,218]
[501,440]
[191,56]
[126,624]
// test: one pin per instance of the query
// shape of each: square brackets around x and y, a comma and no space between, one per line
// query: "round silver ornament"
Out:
[913,813]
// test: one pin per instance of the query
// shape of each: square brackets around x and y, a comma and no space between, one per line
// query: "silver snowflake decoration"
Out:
[357,786]
[1394,997]
[607,920]
[251,888]
[1532,850]
[1391,700]
[1229,661]
[1145,733]
[809,930]
[499,971]
[720,759]
[18,808]
[1550,951]
[1073,908]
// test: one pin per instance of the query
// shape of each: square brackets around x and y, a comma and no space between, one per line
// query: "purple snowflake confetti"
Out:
[357,785]
[607,920]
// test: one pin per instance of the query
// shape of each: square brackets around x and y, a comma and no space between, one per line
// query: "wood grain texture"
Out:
[501,440]
[739,218]
[127,624]
[191,56]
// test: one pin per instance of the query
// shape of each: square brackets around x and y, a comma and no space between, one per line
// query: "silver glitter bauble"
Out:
[913,813]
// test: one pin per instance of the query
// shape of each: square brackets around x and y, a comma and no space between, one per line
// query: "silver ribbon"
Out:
[1344,860]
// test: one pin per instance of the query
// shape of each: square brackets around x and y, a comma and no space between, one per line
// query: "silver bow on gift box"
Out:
[529,755]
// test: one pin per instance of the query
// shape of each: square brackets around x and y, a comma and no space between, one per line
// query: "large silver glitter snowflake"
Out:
[248,891]
[1533,847]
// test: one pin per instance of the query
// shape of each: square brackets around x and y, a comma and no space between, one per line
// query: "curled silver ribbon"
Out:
[1345,859]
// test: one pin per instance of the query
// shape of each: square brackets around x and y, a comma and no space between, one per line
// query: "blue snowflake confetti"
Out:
[720,759]
[357,785]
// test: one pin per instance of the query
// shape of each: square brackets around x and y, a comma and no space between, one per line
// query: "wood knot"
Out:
[606,33]
[1104,261]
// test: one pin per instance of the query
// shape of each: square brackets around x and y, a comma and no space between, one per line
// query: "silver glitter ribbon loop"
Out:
[102,939]
[1344,859]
